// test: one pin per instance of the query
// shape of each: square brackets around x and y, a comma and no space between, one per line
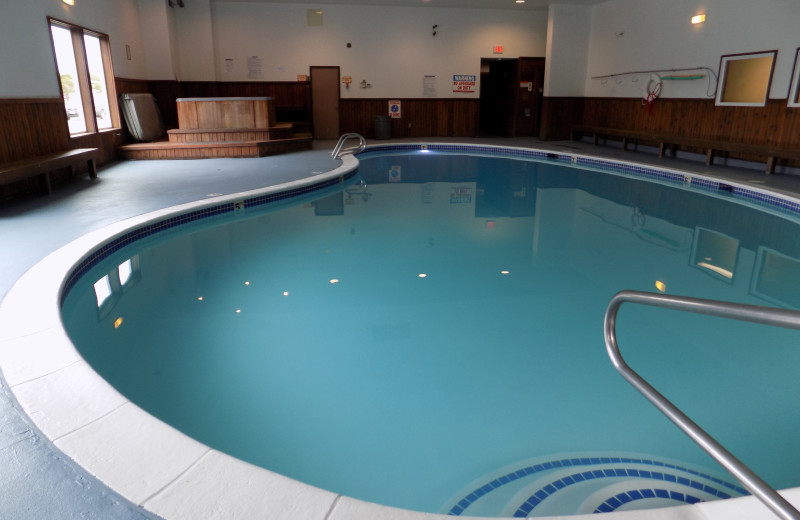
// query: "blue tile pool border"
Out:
[768,200]
[782,204]
[171,222]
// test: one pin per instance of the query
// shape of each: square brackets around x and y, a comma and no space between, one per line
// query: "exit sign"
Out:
[498,49]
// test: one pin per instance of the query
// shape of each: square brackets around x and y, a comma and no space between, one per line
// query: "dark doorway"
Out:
[511,96]
[325,102]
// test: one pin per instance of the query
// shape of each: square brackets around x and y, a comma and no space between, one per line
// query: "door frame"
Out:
[338,99]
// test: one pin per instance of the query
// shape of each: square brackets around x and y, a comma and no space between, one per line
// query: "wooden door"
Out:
[530,96]
[325,102]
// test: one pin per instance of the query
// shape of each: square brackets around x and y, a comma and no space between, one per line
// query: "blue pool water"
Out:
[430,335]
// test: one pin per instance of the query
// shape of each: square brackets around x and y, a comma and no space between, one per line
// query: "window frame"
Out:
[87,101]
[794,87]
[723,78]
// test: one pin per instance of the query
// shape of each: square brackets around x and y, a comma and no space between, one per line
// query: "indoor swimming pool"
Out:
[428,334]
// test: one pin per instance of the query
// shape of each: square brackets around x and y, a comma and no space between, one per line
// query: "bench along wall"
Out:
[33,127]
[774,124]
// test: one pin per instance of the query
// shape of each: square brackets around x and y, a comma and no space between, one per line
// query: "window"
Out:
[83,60]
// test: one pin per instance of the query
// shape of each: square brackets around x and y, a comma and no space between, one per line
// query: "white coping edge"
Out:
[156,466]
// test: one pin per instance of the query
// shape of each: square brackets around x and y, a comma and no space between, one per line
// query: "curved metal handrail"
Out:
[764,315]
[337,150]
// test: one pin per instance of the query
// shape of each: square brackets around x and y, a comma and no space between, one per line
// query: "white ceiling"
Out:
[474,4]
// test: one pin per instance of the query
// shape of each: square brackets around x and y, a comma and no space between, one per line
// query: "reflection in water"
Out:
[715,252]
[395,346]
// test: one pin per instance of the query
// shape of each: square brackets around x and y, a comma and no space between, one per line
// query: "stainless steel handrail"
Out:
[752,313]
[337,150]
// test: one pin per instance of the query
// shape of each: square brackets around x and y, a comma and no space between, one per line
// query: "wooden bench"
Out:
[710,146]
[44,164]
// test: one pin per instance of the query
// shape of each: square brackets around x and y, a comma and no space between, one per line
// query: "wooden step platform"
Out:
[224,127]
[205,150]
[215,135]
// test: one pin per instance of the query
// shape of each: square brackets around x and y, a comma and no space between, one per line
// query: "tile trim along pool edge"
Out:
[171,475]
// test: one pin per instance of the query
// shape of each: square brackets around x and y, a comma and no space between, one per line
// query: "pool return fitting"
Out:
[752,313]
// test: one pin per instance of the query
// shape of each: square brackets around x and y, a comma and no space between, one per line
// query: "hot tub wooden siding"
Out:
[225,113]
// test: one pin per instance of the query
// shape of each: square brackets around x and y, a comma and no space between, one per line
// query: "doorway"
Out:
[325,102]
[511,96]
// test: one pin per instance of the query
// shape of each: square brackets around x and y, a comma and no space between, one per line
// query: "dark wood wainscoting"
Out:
[419,117]
[558,116]
[32,127]
[773,124]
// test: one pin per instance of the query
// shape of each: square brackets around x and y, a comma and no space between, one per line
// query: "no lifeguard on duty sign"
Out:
[464,82]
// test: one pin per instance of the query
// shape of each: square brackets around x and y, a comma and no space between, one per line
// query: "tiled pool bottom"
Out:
[161,469]
[587,483]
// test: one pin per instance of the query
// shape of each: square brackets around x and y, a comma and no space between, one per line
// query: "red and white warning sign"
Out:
[464,83]
[394,108]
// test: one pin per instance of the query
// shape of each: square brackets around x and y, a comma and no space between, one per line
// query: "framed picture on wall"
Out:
[794,86]
[744,79]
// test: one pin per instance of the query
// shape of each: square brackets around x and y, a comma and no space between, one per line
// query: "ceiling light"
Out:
[520,1]
[69,2]
[699,18]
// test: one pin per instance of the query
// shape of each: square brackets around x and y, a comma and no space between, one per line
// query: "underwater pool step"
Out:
[589,483]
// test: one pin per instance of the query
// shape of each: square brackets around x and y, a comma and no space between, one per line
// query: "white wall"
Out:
[27,64]
[159,43]
[658,35]
[193,26]
[392,47]
[568,28]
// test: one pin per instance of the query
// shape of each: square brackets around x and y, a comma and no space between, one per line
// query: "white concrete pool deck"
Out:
[72,447]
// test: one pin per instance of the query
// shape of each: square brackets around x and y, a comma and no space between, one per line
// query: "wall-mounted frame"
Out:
[745,79]
[794,86]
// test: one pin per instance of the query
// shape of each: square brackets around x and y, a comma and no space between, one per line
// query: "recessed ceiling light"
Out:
[520,1]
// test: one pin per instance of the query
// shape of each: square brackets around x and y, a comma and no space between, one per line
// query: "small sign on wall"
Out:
[461,195]
[394,109]
[464,83]
[302,77]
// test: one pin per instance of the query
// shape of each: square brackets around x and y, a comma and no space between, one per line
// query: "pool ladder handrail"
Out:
[752,313]
[338,150]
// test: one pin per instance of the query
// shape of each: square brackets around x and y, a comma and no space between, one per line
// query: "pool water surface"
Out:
[436,326]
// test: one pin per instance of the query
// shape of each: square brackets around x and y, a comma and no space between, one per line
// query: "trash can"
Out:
[383,127]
